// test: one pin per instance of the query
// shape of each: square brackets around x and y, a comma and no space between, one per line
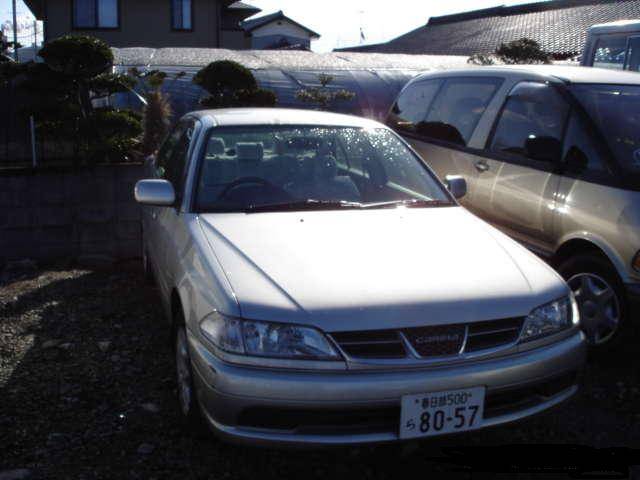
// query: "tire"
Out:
[186,394]
[604,310]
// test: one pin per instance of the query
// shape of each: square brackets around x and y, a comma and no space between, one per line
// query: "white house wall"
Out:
[285,28]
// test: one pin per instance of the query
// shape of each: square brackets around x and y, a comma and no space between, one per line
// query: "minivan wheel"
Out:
[186,395]
[601,300]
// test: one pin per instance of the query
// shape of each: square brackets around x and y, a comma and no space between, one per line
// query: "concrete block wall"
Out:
[88,215]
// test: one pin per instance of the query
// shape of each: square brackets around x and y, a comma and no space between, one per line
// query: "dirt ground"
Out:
[87,391]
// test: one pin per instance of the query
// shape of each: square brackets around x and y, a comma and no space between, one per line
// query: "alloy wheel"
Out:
[599,307]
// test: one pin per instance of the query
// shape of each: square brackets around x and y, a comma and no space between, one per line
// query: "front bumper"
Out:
[276,407]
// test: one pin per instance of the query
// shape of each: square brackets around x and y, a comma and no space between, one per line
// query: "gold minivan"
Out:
[551,156]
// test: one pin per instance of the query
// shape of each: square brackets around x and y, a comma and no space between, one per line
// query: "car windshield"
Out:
[616,111]
[270,168]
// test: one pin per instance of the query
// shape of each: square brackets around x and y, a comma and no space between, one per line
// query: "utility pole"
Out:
[15,31]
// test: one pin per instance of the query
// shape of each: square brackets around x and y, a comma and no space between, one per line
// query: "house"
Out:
[147,23]
[560,26]
[277,31]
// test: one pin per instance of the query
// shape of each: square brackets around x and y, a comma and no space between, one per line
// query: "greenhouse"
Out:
[375,78]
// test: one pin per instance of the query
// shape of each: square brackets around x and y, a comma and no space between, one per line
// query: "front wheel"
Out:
[187,395]
[601,300]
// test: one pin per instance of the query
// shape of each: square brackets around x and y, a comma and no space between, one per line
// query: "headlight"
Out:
[550,318]
[267,339]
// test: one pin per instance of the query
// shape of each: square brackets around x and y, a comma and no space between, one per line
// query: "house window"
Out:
[181,14]
[95,13]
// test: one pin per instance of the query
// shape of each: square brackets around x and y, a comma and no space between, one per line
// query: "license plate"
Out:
[438,413]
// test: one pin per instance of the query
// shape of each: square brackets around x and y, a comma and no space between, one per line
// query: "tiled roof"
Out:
[560,26]
[243,6]
[249,25]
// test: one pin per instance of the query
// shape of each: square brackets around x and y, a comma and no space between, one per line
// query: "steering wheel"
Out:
[250,181]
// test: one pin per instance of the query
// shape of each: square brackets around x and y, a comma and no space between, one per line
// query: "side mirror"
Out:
[155,192]
[543,149]
[457,185]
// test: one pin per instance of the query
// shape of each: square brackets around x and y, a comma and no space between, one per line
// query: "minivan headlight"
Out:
[267,339]
[550,318]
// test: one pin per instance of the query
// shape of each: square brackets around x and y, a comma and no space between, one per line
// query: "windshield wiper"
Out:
[301,205]
[411,203]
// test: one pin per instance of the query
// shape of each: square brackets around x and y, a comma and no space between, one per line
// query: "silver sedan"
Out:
[323,287]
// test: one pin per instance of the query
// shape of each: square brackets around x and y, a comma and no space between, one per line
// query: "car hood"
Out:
[372,269]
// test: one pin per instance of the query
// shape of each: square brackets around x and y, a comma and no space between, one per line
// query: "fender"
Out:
[601,244]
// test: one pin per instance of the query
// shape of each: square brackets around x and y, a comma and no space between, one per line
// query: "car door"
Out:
[517,182]
[150,226]
[439,117]
[174,169]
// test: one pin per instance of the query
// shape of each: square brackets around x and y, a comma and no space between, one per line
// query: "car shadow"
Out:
[87,390]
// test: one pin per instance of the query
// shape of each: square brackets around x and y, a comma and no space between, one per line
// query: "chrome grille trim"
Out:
[480,339]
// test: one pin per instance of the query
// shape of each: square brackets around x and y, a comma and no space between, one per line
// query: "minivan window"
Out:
[610,52]
[616,111]
[531,124]
[581,153]
[455,113]
[411,107]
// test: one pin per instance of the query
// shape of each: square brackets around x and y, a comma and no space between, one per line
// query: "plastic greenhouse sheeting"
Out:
[375,78]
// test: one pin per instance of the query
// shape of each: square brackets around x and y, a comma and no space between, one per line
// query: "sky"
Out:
[337,21]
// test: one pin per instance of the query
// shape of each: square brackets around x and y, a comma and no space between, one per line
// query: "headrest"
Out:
[249,152]
[326,167]
[216,146]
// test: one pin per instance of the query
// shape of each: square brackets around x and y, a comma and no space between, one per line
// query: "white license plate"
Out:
[438,413]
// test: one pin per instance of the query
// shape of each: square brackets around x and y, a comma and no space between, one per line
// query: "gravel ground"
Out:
[87,391]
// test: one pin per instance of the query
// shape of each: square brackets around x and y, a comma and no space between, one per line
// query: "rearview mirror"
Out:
[155,192]
[457,185]
[543,149]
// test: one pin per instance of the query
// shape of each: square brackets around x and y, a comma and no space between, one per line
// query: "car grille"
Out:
[429,342]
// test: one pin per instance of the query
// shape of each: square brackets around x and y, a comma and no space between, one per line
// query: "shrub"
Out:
[77,56]
[156,114]
[521,51]
[230,84]
[75,71]
[323,96]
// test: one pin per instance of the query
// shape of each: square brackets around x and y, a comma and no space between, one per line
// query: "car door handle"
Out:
[482,166]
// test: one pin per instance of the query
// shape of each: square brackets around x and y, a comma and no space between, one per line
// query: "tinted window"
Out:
[633,55]
[95,13]
[580,149]
[412,105]
[616,111]
[531,123]
[250,166]
[455,113]
[610,52]
[172,157]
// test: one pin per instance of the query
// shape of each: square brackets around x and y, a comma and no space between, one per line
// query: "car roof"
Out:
[281,116]
[563,73]
[621,26]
